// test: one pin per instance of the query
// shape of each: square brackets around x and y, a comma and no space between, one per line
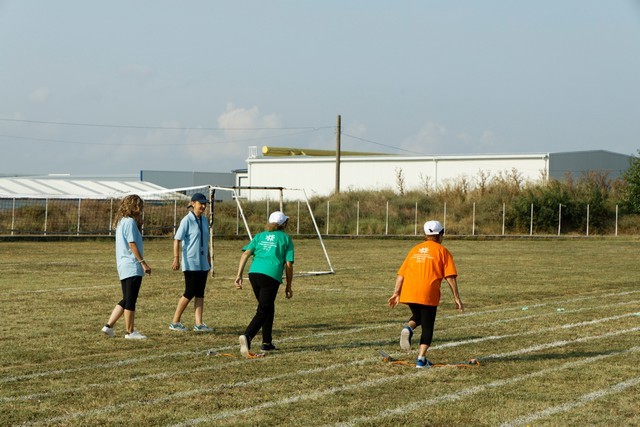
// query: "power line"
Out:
[42,122]
[63,141]
[380,144]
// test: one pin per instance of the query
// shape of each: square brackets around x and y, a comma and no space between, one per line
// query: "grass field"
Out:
[554,323]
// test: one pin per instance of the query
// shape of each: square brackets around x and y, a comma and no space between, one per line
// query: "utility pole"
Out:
[338,132]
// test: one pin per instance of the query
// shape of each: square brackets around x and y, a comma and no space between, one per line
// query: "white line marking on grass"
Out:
[534,316]
[197,392]
[320,394]
[97,366]
[414,406]
[40,291]
[310,396]
[582,400]
[294,399]
[170,374]
[156,376]
[532,332]
[316,335]
[560,343]
[543,304]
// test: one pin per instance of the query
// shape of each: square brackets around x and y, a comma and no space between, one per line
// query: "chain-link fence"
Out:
[400,216]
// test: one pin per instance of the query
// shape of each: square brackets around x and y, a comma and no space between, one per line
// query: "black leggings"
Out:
[265,288]
[425,316]
[130,290]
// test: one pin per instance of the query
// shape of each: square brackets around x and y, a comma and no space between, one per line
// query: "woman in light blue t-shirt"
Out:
[130,263]
[193,232]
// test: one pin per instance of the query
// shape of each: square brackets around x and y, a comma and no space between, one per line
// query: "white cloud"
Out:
[434,138]
[137,73]
[40,95]
[237,120]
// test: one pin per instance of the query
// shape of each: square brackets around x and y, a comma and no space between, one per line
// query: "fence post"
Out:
[616,220]
[444,217]
[559,217]
[503,215]
[358,218]
[415,221]
[327,217]
[531,222]
[46,214]
[175,216]
[386,221]
[237,220]
[110,217]
[13,216]
[78,229]
[587,220]
[473,220]
[298,224]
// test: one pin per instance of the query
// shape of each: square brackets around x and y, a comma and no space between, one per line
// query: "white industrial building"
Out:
[317,174]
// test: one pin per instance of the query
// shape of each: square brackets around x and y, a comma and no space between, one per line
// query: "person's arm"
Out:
[136,253]
[176,255]
[453,284]
[288,271]
[395,298]
[243,261]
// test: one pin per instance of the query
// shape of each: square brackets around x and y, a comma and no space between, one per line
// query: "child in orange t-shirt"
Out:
[418,286]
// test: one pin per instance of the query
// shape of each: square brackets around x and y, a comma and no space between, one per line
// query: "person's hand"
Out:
[176,263]
[288,292]
[238,282]
[393,301]
[146,267]
[459,306]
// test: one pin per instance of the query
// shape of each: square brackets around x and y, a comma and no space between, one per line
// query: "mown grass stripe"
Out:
[318,394]
[581,401]
[414,406]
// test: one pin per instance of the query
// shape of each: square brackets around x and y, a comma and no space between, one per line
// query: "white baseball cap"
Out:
[278,217]
[431,228]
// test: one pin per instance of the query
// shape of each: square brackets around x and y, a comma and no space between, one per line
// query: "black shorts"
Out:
[194,283]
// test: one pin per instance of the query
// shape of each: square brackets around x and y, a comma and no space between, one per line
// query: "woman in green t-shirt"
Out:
[272,252]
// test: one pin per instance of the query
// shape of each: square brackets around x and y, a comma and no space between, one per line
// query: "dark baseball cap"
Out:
[199,197]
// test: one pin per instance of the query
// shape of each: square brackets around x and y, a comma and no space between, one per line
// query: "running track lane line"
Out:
[464,393]
[311,396]
[582,400]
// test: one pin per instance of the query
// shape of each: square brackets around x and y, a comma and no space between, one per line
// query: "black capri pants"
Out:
[194,284]
[425,316]
[130,290]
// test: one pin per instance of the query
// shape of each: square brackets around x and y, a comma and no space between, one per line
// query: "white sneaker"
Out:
[135,335]
[405,338]
[244,345]
[108,331]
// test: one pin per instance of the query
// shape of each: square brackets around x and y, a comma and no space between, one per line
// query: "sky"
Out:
[108,88]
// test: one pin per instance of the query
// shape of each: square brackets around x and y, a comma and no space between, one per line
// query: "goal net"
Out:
[251,218]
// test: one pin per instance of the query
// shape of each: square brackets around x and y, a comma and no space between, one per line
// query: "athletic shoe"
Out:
[268,347]
[135,335]
[202,328]
[177,327]
[108,331]
[423,362]
[245,345]
[405,338]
